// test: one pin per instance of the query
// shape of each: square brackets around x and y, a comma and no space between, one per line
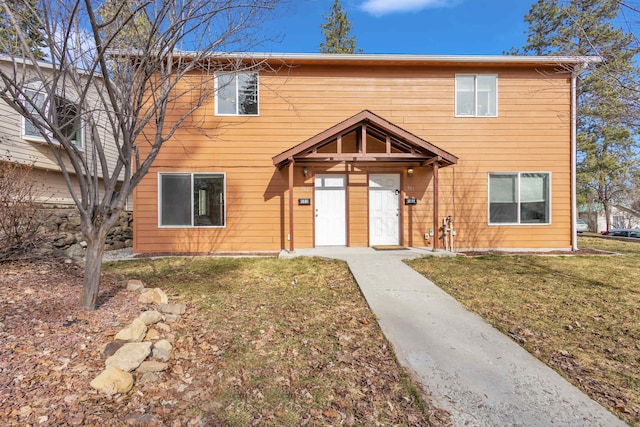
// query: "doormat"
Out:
[388,247]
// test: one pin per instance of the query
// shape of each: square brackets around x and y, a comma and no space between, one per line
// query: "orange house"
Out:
[365,150]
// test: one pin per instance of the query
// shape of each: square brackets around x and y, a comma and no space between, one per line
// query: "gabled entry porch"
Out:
[368,151]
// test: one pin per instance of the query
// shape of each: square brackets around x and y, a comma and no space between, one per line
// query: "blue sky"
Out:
[435,27]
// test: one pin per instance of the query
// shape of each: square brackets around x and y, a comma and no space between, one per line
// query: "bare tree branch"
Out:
[125,69]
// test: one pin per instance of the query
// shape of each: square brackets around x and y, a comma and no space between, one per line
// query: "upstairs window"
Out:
[67,118]
[519,198]
[192,200]
[476,95]
[236,94]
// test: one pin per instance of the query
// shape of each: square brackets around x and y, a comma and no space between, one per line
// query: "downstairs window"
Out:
[192,200]
[519,198]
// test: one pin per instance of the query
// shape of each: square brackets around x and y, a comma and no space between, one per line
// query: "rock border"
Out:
[144,346]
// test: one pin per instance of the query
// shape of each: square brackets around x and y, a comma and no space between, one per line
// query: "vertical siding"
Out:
[531,133]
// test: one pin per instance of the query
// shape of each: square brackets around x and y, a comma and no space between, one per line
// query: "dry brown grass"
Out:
[294,343]
[579,314]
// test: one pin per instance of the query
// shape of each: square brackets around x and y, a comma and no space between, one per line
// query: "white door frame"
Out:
[384,209]
[330,210]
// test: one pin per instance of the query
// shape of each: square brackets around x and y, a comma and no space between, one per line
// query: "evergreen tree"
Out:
[608,110]
[337,32]
[127,22]
[25,14]
[126,27]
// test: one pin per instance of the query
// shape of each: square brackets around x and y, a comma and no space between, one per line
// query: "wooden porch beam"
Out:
[436,215]
[348,157]
[388,144]
[291,165]
[339,144]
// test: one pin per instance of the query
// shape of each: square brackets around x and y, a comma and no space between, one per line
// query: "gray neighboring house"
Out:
[21,143]
[620,217]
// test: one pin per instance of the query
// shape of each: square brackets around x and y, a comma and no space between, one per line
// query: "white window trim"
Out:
[215,96]
[192,175]
[519,224]
[475,95]
[42,139]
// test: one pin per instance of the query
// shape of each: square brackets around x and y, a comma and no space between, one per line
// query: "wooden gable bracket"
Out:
[363,139]
[410,147]
[432,161]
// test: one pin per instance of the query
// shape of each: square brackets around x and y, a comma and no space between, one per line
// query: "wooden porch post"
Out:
[291,246]
[436,218]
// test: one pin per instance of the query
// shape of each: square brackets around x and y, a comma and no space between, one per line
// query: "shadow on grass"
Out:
[177,271]
[541,267]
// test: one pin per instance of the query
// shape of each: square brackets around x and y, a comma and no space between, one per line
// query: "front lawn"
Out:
[282,342]
[578,314]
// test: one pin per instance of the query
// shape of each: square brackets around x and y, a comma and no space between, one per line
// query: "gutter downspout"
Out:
[574,158]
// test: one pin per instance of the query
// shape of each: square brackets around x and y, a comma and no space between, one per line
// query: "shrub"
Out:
[19,225]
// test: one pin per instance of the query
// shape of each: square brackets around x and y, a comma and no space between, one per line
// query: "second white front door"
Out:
[330,210]
[384,209]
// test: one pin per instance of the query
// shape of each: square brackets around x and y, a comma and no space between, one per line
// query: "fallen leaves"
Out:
[251,350]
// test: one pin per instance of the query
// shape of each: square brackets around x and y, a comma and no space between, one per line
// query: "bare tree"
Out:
[126,75]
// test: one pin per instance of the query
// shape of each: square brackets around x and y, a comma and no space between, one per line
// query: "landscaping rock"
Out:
[134,332]
[153,296]
[113,380]
[151,366]
[171,318]
[117,245]
[75,251]
[173,308]
[130,356]
[111,348]
[149,377]
[161,350]
[150,317]
[64,240]
[135,285]
[64,225]
[152,335]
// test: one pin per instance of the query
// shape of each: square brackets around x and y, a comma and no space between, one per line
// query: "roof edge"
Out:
[367,58]
[330,57]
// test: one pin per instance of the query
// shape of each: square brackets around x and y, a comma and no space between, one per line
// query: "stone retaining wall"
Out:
[63,227]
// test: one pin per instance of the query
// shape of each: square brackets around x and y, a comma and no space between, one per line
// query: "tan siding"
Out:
[14,148]
[531,133]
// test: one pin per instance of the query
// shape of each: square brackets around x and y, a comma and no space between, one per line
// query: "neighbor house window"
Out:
[476,95]
[519,198]
[67,118]
[237,94]
[192,200]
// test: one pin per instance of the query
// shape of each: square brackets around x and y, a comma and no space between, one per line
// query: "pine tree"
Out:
[25,14]
[337,32]
[116,16]
[608,110]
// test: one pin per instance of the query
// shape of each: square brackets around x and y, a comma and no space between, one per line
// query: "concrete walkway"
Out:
[467,367]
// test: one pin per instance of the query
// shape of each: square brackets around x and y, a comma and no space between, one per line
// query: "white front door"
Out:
[330,210]
[384,209]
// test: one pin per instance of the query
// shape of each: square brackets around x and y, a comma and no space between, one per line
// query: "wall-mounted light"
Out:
[305,171]
[410,171]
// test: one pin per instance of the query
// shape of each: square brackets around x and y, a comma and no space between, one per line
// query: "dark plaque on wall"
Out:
[410,201]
